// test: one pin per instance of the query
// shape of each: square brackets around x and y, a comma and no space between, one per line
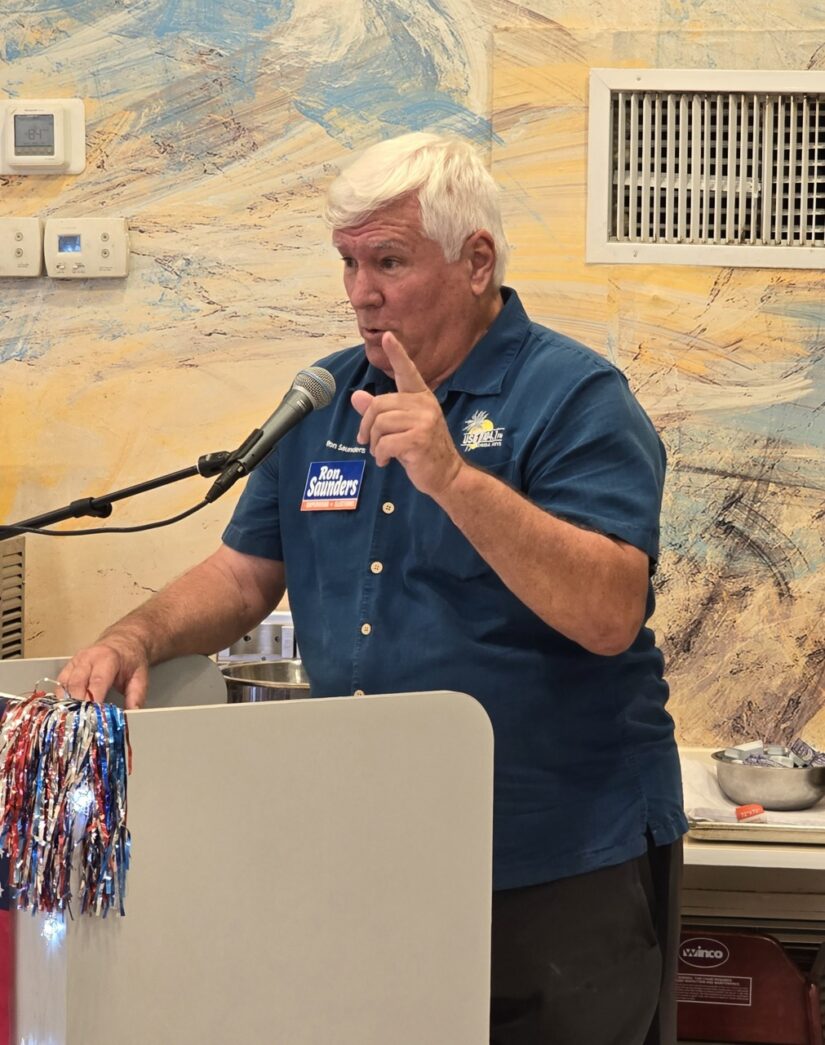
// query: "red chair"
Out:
[740,987]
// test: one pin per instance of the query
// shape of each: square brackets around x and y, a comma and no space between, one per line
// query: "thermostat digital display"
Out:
[34,134]
[68,244]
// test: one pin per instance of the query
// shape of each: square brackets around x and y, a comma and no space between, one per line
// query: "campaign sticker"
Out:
[332,486]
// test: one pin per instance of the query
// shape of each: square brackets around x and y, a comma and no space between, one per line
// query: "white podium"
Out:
[306,872]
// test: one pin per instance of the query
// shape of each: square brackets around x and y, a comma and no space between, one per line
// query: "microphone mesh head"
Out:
[319,384]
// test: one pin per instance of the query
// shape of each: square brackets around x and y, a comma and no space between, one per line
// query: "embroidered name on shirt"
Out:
[479,431]
[345,449]
[332,485]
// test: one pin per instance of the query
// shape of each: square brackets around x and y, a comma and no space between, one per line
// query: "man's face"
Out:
[398,280]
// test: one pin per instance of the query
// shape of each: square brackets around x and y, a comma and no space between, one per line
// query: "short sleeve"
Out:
[255,526]
[599,463]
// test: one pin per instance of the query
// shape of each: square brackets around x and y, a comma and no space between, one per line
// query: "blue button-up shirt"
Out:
[391,597]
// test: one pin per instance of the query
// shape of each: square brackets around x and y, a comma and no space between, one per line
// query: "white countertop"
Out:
[754,854]
[750,853]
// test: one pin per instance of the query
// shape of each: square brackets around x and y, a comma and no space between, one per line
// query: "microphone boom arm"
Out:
[312,388]
[101,507]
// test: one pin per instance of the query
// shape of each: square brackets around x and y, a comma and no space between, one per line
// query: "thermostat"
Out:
[84,248]
[47,136]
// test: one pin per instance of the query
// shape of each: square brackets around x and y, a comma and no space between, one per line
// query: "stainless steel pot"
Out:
[265,680]
[773,787]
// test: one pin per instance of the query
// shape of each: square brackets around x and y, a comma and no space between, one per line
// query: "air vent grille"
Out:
[12,585]
[709,165]
[691,167]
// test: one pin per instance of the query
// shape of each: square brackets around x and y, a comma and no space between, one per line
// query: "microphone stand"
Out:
[101,507]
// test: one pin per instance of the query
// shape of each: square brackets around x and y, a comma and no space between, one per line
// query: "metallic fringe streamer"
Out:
[63,769]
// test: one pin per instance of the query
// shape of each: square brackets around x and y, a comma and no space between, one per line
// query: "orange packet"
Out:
[753,813]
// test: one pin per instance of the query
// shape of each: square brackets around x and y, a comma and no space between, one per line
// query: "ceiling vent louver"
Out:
[707,167]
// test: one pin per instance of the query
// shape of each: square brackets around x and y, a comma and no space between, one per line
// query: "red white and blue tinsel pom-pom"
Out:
[63,770]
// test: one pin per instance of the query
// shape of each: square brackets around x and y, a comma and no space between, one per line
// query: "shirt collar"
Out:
[482,372]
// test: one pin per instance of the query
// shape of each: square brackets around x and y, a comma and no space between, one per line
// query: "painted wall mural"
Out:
[213,128]
[730,365]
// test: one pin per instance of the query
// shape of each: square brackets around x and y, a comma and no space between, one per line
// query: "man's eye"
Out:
[390,263]
[349,263]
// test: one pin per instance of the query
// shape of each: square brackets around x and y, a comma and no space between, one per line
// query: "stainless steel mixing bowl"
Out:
[265,680]
[773,787]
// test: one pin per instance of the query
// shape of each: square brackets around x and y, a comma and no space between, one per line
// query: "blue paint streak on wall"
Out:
[800,422]
[218,22]
[11,50]
[241,30]
[391,87]
[222,24]
[360,108]
[20,38]
[19,348]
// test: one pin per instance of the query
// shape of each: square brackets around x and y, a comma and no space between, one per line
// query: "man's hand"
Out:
[408,425]
[206,609]
[114,660]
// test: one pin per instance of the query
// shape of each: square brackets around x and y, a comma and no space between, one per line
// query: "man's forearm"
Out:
[589,587]
[203,611]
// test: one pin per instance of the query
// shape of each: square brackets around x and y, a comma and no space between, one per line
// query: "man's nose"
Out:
[364,291]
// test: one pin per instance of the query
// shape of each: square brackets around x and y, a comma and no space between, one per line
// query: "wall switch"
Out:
[21,247]
[86,248]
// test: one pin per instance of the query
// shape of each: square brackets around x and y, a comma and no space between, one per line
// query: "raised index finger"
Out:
[405,372]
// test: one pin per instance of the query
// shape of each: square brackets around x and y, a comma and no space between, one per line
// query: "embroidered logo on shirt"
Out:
[332,485]
[480,431]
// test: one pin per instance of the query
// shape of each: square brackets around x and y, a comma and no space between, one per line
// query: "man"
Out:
[506,528]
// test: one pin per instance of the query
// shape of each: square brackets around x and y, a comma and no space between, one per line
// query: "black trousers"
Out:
[589,960]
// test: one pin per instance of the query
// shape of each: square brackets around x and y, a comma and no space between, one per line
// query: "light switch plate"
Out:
[21,247]
[86,248]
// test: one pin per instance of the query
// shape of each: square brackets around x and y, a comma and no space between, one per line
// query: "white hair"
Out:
[456,194]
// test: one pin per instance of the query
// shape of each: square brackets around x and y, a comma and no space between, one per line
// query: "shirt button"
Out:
[359,693]
[376,567]
[366,629]
[387,507]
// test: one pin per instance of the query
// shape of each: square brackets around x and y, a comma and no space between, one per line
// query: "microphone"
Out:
[313,388]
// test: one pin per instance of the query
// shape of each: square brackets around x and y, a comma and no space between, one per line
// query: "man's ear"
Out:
[480,254]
